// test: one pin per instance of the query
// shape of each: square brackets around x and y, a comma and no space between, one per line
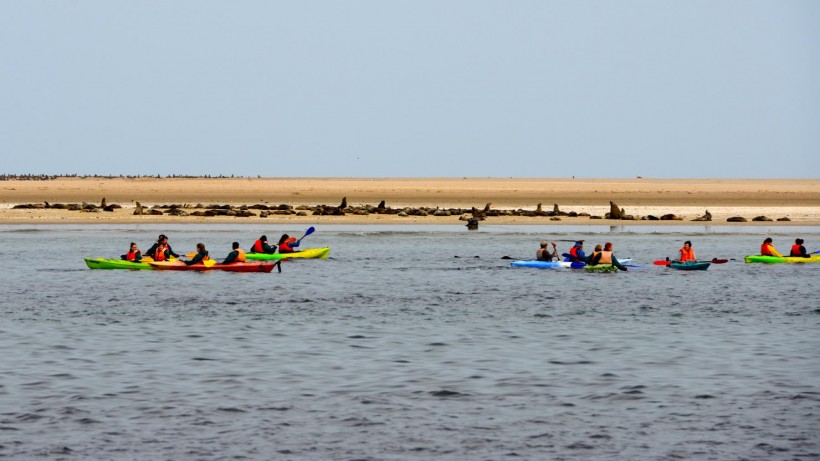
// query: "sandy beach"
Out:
[799,200]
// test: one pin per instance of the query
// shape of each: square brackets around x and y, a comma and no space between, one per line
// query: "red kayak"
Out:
[232,267]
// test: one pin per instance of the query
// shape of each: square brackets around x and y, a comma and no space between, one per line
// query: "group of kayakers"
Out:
[797,250]
[600,255]
[161,250]
[604,255]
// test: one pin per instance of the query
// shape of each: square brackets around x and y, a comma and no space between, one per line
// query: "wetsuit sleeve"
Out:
[138,257]
[581,255]
[197,259]
[268,248]
[595,259]
[295,244]
[231,257]
[171,252]
[618,264]
[151,250]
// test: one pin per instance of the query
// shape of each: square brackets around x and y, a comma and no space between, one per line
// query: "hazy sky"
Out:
[415,88]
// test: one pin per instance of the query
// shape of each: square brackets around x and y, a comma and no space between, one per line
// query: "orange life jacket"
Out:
[131,255]
[257,247]
[765,249]
[285,247]
[159,255]
[687,255]
[606,257]
[240,257]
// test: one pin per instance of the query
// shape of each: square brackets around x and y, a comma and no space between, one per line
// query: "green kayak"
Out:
[601,268]
[311,253]
[102,263]
[781,259]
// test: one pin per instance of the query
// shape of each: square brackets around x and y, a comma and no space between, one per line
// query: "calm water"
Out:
[408,343]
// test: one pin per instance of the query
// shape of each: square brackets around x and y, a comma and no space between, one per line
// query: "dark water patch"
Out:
[444,393]
[704,396]
[203,359]
[230,410]
[578,362]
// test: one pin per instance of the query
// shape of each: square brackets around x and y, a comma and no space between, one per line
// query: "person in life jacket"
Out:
[798,250]
[595,252]
[687,253]
[262,246]
[287,244]
[165,252]
[576,253]
[235,256]
[134,254]
[201,255]
[543,253]
[606,256]
[767,249]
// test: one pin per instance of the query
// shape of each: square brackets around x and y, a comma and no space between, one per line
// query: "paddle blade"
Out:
[661,262]
[719,261]
[209,262]
[190,255]
[309,231]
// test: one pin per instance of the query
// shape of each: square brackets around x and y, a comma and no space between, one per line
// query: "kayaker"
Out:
[596,251]
[201,255]
[235,256]
[287,244]
[798,250]
[262,246]
[606,256]
[134,254]
[543,253]
[687,253]
[767,249]
[576,253]
[165,252]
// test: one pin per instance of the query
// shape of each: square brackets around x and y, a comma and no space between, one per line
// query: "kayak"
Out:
[601,268]
[779,259]
[102,263]
[555,264]
[232,267]
[312,253]
[546,264]
[690,265]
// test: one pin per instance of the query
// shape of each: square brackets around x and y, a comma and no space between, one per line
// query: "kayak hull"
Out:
[555,264]
[601,268]
[779,260]
[690,265]
[233,267]
[535,264]
[103,263]
[309,253]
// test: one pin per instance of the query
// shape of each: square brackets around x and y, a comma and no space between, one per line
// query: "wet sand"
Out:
[799,200]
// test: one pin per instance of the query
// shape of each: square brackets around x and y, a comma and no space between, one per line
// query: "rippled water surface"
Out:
[408,343]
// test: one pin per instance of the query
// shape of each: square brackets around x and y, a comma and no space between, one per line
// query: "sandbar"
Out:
[796,199]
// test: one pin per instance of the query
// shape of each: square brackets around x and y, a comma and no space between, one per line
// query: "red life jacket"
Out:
[285,247]
[573,253]
[131,255]
[765,250]
[159,255]
[796,250]
[257,247]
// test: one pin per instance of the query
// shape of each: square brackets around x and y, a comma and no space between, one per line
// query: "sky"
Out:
[400,88]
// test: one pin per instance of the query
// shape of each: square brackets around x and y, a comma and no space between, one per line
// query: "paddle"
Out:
[661,262]
[309,231]
[816,252]
[719,261]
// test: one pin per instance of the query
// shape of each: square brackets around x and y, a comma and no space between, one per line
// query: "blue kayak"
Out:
[547,264]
